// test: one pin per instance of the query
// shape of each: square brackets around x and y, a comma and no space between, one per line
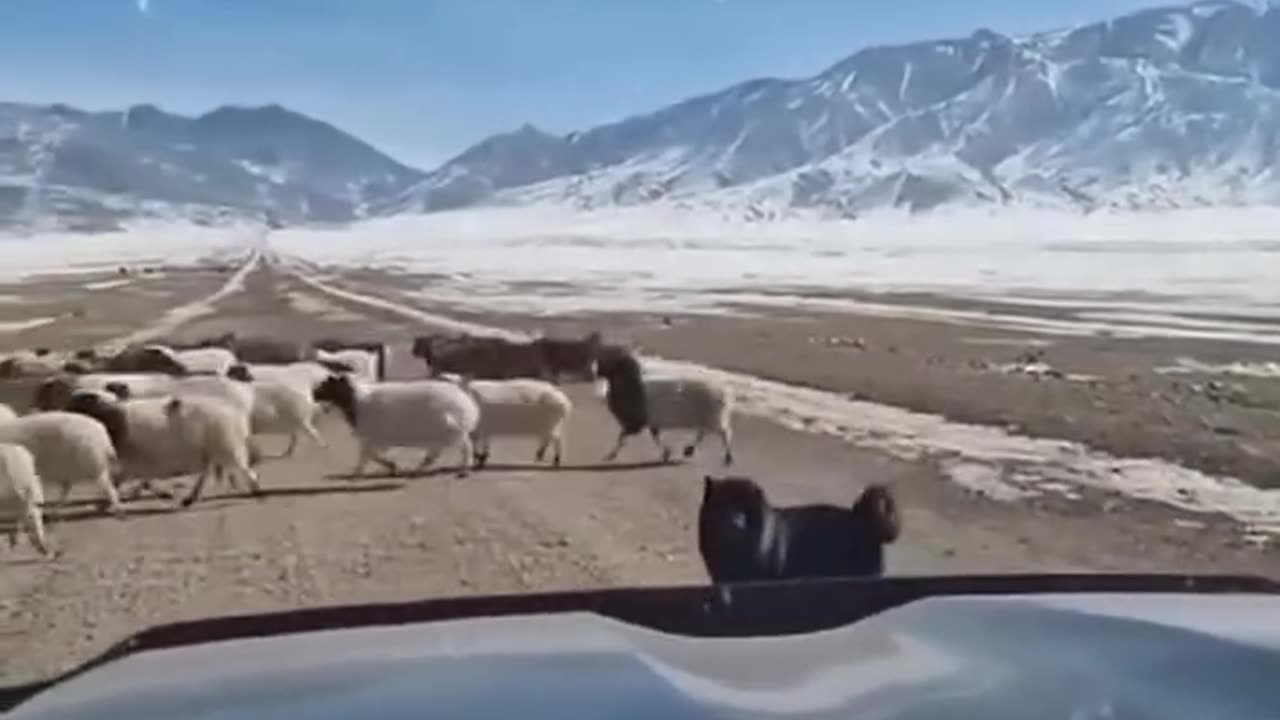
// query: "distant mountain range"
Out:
[1167,107]
[67,167]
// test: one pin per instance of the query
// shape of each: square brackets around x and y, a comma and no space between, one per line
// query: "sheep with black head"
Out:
[663,403]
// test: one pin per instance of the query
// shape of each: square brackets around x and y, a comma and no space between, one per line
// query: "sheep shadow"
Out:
[89,509]
[363,479]
[29,559]
[445,470]
[584,467]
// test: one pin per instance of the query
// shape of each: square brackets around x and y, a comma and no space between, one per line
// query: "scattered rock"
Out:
[856,343]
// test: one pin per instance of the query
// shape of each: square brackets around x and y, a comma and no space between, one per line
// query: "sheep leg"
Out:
[226,477]
[34,525]
[480,450]
[137,489]
[656,434]
[551,441]
[362,459]
[726,439]
[466,452]
[251,477]
[255,452]
[109,491]
[197,488]
[428,460]
[158,492]
[617,448]
[310,429]
[366,454]
[64,495]
[388,464]
[293,444]
[692,447]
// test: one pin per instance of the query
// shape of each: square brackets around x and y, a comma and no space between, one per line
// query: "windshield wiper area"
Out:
[744,610]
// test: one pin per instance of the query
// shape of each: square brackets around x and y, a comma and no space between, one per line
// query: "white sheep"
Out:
[69,449]
[22,495]
[664,403]
[149,385]
[429,414]
[171,436]
[210,360]
[305,375]
[282,402]
[520,407]
[7,413]
[33,363]
[367,363]
[222,429]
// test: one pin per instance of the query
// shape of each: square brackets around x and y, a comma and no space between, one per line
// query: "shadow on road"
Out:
[89,510]
[501,467]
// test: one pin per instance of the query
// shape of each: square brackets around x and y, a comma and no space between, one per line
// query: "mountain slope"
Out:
[1172,106]
[93,168]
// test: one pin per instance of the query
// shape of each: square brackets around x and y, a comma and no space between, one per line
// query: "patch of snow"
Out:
[29,324]
[141,243]
[276,175]
[1191,259]
[106,284]
[1176,31]
[1009,342]
[1245,369]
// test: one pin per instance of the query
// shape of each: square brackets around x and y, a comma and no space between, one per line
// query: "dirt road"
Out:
[319,538]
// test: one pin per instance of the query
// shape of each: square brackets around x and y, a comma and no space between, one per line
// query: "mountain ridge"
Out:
[1169,106]
[62,166]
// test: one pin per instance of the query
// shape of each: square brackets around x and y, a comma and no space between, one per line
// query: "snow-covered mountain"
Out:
[68,167]
[1172,106]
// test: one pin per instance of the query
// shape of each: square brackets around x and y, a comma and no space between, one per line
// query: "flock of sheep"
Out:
[152,412]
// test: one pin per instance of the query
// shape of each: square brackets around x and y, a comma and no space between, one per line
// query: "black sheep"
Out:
[742,538]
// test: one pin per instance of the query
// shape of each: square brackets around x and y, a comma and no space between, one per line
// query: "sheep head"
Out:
[240,372]
[340,392]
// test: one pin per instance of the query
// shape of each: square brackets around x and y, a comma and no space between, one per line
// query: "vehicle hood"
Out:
[1115,656]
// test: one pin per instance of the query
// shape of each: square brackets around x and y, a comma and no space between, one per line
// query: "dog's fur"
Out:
[742,538]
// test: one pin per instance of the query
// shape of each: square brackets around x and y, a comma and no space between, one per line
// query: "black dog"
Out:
[742,538]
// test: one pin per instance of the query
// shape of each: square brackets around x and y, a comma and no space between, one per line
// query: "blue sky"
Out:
[422,79]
